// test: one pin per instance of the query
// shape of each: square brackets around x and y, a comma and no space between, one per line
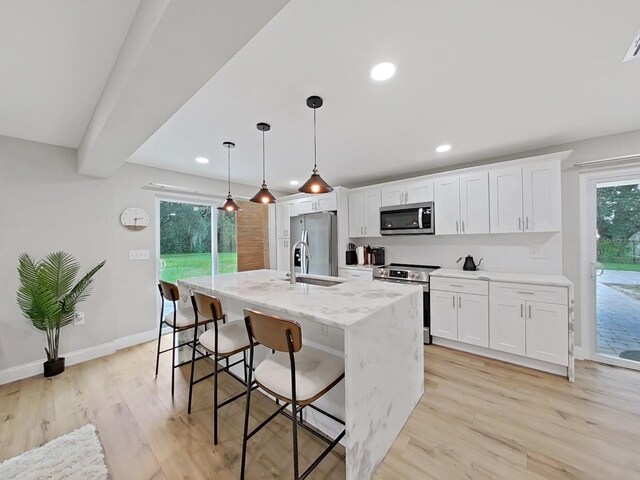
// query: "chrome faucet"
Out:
[307,254]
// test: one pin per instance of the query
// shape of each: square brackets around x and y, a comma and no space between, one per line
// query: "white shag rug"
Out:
[75,456]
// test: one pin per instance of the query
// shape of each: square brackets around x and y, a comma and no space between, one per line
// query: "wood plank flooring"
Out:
[478,419]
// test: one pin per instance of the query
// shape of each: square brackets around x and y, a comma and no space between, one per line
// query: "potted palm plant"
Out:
[48,295]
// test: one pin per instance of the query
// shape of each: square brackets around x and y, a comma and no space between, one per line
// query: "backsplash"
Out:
[502,252]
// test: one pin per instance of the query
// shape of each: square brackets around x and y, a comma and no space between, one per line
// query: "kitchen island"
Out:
[375,326]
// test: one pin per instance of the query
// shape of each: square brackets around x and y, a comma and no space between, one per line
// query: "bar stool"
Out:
[177,321]
[295,375]
[222,342]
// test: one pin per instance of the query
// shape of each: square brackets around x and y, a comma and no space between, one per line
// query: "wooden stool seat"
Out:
[316,371]
[232,339]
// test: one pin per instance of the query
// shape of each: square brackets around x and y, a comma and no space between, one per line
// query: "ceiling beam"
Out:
[172,49]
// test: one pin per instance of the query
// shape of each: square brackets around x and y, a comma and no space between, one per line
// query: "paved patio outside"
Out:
[618,314]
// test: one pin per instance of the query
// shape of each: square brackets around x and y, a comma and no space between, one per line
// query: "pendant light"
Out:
[229,205]
[315,184]
[263,195]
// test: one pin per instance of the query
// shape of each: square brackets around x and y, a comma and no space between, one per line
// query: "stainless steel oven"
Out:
[412,275]
[412,219]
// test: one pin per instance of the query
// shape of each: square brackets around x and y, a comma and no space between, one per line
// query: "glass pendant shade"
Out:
[316,183]
[263,196]
[229,205]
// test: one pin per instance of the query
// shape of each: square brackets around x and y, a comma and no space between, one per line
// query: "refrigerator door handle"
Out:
[304,259]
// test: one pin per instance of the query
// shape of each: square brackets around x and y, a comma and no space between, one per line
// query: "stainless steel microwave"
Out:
[412,219]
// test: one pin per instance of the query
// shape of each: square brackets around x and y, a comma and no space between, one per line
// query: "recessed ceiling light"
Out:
[383,71]
[294,182]
[443,148]
[202,160]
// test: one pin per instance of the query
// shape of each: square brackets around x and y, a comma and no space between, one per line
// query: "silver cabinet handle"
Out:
[522,310]
[529,311]
[457,231]
[365,230]
[519,223]
[462,226]
[527,223]
[456,285]
[453,297]
[459,301]
[525,293]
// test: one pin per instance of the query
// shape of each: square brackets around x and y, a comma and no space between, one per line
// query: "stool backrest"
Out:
[206,306]
[169,290]
[272,331]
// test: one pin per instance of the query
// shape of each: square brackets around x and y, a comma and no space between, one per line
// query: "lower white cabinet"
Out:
[364,273]
[473,319]
[460,316]
[547,332]
[444,314]
[507,328]
[282,254]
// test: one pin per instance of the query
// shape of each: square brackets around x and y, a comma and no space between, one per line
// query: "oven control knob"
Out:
[383,272]
[415,275]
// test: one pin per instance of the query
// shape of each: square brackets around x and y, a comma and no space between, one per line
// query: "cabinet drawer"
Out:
[477,287]
[537,293]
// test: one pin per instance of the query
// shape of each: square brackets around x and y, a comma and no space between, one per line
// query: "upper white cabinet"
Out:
[284,212]
[411,192]
[526,198]
[542,197]
[364,213]
[447,205]
[282,254]
[474,203]
[316,203]
[462,204]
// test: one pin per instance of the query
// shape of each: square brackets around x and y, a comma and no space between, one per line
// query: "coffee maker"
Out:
[377,255]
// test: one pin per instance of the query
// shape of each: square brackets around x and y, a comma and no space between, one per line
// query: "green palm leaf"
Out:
[59,271]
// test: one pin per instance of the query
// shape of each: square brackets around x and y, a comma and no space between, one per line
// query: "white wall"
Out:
[45,205]
[501,252]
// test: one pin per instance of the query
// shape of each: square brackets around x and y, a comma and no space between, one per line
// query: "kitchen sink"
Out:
[316,281]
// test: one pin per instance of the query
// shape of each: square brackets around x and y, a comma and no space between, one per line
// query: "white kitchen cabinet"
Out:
[393,195]
[304,205]
[356,273]
[326,202]
[473,319]
[457,314]
[284,212]
[412,192]
[505,193]
[356,214]
[541,185]
[507,324]
[419,191]
[444,314]
[474,203]
[282,254]
[364,213]
[547,332]
[526,198]
[447,205]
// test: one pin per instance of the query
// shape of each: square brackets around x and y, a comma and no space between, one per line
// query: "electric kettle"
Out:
[469,264]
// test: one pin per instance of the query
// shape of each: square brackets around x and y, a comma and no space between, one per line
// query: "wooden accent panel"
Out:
[253,236]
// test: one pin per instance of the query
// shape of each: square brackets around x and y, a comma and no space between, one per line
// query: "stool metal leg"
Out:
[215,398]
[173,363]
[193,365]
[245,434]
[158,352]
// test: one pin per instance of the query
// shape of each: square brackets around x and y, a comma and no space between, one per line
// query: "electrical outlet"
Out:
[138,254]
[78,318]
[536,252]
[324,330]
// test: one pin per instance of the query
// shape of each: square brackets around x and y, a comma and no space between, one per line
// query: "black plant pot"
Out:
[51,369]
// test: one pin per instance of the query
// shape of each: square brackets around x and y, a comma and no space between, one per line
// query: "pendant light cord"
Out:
[263,168]
[229,167]
[315,148]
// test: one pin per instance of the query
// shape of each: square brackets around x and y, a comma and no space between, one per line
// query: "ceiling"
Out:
[56,58]
[490,78]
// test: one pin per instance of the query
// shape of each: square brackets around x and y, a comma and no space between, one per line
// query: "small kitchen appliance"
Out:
[411,219]
[469,264]
[377,254]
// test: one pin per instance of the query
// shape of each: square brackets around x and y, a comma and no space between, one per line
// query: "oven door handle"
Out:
[420,210]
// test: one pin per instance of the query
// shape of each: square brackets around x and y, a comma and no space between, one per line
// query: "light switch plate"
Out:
[138,254]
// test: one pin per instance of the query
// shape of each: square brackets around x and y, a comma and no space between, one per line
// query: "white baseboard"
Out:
[30,369]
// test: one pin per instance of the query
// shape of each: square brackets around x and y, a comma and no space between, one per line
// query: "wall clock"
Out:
[134,218]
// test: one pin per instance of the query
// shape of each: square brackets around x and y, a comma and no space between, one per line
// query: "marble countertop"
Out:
[531,278]
[342,305]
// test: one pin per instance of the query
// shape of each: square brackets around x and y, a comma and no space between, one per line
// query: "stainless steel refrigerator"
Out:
[319,230]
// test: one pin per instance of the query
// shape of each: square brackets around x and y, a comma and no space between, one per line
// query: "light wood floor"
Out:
[478,419]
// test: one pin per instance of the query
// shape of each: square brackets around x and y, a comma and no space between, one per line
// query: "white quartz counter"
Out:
[340,305]
[530,278]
